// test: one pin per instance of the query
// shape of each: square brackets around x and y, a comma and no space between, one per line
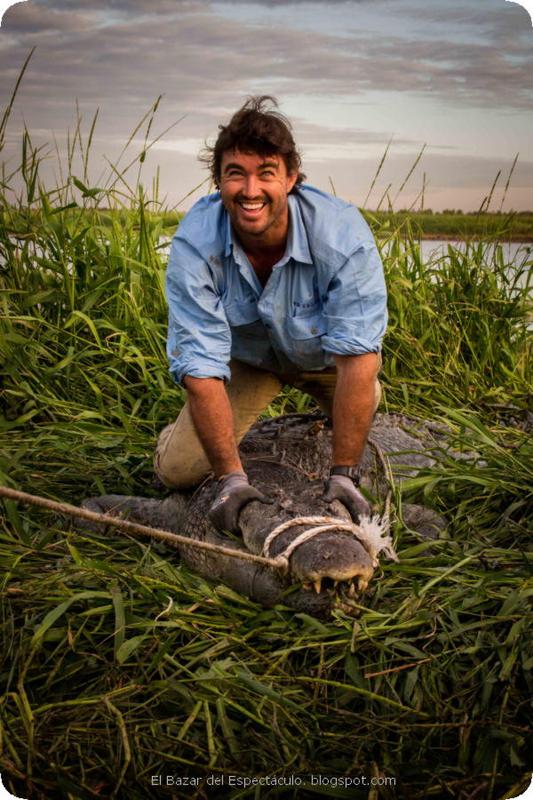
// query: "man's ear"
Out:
[292,177]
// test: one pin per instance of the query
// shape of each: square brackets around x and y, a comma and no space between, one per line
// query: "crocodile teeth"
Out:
[318,585]
[307,586]
[351,590]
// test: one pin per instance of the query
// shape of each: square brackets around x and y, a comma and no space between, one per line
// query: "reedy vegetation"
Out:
[118,663]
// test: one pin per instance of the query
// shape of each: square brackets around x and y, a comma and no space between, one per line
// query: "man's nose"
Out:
[251,186]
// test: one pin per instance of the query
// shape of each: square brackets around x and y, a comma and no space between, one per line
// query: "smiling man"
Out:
[270,282]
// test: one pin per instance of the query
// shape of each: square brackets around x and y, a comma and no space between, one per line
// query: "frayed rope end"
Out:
[374,536]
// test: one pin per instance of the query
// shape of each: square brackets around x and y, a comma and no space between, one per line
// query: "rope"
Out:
[369,533]
[138,529]
[324,523]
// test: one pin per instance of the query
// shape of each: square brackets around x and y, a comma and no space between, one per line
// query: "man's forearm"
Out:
[213,421]
[353,406]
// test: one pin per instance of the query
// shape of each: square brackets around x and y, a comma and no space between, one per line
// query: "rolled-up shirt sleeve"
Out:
[199,337]
[355,307]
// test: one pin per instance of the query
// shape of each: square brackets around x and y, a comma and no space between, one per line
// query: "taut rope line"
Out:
[136,528]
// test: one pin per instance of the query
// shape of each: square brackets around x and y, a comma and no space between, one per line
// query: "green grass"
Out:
[476,226]
[118,663]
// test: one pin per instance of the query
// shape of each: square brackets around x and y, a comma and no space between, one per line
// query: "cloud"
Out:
[118,55]
[142,45]
[494,18]
[30,18]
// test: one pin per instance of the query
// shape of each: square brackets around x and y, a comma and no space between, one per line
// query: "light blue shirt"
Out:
[325,296]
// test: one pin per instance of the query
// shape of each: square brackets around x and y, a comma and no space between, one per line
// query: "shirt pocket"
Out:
[309,324]
[304,333]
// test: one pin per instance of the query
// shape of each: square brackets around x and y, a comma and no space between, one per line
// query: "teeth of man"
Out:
[252,206]
[318,585]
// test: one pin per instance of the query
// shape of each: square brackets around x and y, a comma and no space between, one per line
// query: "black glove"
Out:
[343,488]
[234,491]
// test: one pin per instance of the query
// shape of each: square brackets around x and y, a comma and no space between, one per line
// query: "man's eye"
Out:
[267,172]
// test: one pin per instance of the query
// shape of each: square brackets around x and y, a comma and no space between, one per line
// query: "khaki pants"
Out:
[180,460]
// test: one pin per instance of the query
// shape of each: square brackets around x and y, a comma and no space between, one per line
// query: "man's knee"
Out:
[179,459]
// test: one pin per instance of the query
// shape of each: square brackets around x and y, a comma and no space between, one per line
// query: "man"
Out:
[270,282]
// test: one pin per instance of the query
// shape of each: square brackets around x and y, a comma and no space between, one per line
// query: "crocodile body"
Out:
[288,459]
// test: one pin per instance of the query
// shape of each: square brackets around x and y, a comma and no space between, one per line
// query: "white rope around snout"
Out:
[370,532]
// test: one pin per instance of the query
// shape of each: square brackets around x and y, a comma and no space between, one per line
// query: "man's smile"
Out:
[251,208]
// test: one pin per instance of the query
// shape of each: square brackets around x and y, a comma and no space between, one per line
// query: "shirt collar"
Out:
[297,244]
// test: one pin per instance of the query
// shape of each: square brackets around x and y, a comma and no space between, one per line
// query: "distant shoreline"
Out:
[454,237]
[453,225]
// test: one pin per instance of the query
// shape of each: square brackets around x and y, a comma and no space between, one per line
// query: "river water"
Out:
[513,252]
[517,256]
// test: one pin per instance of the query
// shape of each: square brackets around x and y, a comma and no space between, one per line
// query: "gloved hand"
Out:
[340,487]
[234,491]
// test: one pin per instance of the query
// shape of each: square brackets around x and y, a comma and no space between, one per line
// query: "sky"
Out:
[452,80]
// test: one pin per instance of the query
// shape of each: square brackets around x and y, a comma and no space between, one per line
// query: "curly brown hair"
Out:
[257,127]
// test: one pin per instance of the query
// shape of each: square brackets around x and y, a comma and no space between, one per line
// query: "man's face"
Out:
[254,191]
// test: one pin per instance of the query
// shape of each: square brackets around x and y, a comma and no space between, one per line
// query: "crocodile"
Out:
[288,459]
